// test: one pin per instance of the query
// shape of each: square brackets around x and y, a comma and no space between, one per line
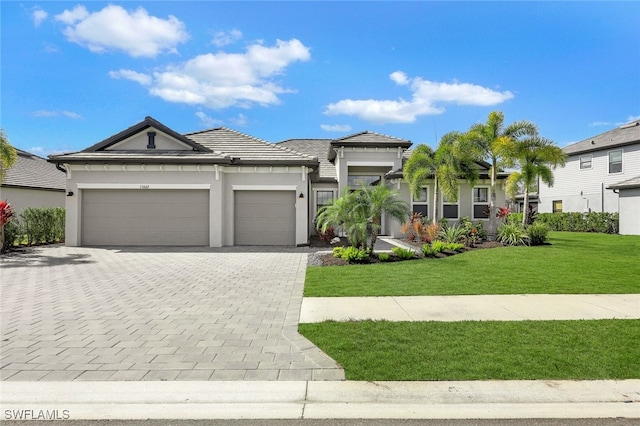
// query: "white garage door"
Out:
[145,217]
[265,218]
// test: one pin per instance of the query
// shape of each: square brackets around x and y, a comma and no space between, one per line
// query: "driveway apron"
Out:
[71,313]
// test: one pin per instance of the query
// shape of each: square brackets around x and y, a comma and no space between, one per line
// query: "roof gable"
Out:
[368,139]
[318,148]
[624,135]
[31,171]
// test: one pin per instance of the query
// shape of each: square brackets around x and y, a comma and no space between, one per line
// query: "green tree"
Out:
[485,142]
[378,200]
[348,214]
[534,156]
[8,155]
[445,167]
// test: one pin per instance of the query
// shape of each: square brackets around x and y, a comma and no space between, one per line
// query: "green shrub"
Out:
[43,224]
[512,218]
[606,223]
[352,254]
[403,253]
[473,233]
[338,251]
[428,251]
[454,246]
[383,257]
[12,232]
[512,234]
[452,234]
[438,246]
[537,233]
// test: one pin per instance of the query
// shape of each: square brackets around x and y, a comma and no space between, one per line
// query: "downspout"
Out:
[62,169]
[602,197]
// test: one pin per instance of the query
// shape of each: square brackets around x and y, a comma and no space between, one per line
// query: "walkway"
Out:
[465,308]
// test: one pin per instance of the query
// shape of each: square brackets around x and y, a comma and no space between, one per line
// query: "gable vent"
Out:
[151,144]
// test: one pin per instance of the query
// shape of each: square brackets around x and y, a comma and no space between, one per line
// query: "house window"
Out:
[585,161]
[615,161]
[323,198]
[480,203]
[557,206]
[449,208]
[420,203]
[356,181]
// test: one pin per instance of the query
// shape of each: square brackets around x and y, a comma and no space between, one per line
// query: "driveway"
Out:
[72,313]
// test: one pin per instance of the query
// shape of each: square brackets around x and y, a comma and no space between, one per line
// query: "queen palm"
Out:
[8,154]
[535,156]
[484,141]
[378,200]
[348,214]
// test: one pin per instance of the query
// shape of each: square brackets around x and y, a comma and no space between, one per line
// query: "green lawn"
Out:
[574,263]
[491,350]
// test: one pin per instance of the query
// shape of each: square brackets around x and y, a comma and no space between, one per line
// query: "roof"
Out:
[368,139]
[31,171]
[626,134]
[631,183]
[318,148]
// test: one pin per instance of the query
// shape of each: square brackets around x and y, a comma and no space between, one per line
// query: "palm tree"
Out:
[381,199]
[445,166]
[348,214]
[484,141]
[8,154]
[535,157]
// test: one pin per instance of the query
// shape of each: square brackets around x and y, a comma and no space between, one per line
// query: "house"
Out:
[33,182]
[593,165]
[149,185]
[628,204]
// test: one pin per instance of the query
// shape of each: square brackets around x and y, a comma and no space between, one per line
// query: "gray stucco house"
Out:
[33,182]
[149,185]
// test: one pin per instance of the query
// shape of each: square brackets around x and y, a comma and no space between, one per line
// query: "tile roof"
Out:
[368,139]
[247,149]
[318,148]
[631,183]
[31,171]
[140,157]
[624,135]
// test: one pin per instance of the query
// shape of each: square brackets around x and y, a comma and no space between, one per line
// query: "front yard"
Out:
[574,263]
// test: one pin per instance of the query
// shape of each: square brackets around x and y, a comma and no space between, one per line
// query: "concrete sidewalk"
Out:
[321,400]
[467,308]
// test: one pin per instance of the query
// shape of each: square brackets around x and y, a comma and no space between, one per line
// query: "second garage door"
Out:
[265,218]
[145,217]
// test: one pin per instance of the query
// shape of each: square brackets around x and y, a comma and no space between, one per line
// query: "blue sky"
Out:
[74,73]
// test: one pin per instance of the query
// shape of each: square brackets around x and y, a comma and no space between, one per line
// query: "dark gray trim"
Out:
[33,187]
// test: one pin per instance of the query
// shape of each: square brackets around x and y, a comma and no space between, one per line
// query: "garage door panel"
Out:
[145,217]
[265,218]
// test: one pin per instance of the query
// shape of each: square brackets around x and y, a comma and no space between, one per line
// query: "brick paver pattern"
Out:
[73,313]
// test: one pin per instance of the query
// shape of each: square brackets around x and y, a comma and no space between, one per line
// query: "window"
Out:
[480,203]
[421,203]
[615,161]
[323,198]
[585,161]
[557,206]
[449,208]
[356,181]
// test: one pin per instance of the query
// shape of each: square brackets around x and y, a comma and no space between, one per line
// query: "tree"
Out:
[535,156]
[377,200]
[485,142]
[445,166]
[348,214]
[8,155]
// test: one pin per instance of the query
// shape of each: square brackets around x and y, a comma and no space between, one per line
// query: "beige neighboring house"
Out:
[149,185]
[33,182]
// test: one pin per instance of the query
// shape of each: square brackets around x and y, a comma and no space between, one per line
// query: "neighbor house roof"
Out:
[626,134]
[368,139]
[318,148]
[31,171]
[631,183]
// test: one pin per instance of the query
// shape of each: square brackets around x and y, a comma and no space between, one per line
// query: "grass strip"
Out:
[481,350]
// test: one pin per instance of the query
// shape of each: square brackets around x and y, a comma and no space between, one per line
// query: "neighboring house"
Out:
[593,166]
[33,182]
[149,185]
[629,205]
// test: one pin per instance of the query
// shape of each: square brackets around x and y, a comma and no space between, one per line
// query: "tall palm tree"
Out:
[381,199]
[445,166]
[484,141]
[8,155]
[535,156]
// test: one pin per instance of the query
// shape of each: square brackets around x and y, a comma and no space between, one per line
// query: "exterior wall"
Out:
[630,211]
[21,198]
[313,201]
[583,190]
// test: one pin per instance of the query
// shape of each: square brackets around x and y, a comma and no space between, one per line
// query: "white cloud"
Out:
[629,119]
[208,121]
[600,123]
[39,16]
[241,120]
[224,80]
[57,113]
[426,97]
[143,79]
[135,33]
[633,118]
[335,127]
[225,38]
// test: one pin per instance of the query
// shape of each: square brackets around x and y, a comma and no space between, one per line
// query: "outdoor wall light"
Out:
[301,195]
[70,194]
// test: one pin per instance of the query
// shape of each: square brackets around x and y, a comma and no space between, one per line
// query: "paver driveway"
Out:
[156,314]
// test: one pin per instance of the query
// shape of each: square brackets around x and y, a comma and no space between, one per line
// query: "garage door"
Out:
[145,217]
[265,218]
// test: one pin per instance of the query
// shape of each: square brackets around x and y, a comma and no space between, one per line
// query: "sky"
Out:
[75,73]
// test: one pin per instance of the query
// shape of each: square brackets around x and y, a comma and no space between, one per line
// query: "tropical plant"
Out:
[438,246]
[403,253]
[452,234]
[8,155]
[484,140]
[512,234]
[6,213]
[379,199]
[454,246]
[535,156]
[383,257]
[537,233]
[348,214]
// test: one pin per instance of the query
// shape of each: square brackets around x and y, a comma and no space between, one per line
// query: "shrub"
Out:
[438,246]
[428,251]
[537,233]
[430,232]
[403,253]
[328,235]
[454,246]
[606,223]
[513,218]
[43,224]
[383,257]
[12,232]
[452,234]
[351,254]
[473,234]
[512,234]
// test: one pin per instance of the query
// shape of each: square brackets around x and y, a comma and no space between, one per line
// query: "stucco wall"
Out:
[630,211]
[21,198]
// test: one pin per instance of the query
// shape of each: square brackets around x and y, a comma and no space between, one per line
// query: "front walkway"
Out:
[126,314]
[469,308]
